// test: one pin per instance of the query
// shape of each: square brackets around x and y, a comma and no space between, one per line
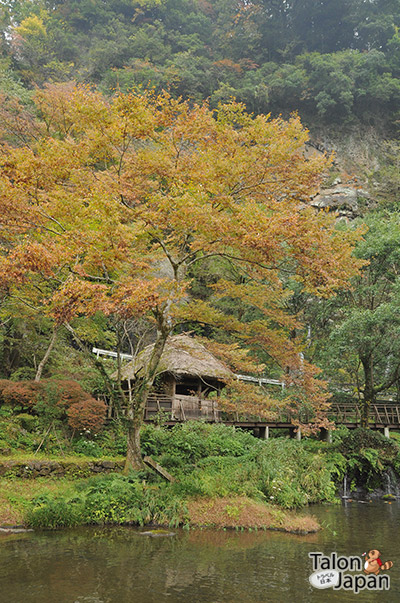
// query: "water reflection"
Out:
[119,565]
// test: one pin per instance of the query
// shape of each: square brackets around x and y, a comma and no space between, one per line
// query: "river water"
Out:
[120,565]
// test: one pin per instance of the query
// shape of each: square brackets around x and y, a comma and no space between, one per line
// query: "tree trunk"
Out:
[46,356]
[137,405]
[134,455]
[369,391]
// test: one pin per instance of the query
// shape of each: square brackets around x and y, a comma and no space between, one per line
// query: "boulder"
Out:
[344,199]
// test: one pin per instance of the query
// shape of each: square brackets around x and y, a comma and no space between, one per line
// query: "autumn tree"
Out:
[109,203]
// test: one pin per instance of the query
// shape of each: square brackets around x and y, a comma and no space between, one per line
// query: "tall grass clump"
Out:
[110,499]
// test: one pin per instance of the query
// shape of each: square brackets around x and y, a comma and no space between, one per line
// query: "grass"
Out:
[16,495]
[250,481]
[114,499]
[242,512]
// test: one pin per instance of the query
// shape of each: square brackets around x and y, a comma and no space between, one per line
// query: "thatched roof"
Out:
[182,355]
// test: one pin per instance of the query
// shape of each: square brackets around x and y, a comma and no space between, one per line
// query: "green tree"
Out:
[361,349]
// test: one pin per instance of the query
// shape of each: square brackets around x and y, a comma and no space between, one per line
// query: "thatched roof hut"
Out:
[188,381]
[182,356]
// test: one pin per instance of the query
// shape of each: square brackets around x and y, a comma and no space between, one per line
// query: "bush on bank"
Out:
[50,400]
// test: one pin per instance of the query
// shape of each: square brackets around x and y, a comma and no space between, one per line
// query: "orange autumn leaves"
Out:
[107,204]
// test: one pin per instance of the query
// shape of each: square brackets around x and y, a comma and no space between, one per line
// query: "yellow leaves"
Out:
[133,117]
[32,27]
[204,313]
[237,358]
[249,400]
[69,107]
[134,298]
[33,256]
[233,114]
[324,254]
[264,296]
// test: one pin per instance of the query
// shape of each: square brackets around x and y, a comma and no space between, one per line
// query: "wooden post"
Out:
[157,467]
[264,432]
[214,412]
[298,434]
[386,432]
[182,411]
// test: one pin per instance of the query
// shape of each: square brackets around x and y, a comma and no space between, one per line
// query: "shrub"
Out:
[69,392]
[360,438]
[195,440]
[218,461]
[23,393]
[88,448]
[24,373]
[50,398]
[88,415]
[28,422]
[113,439]
[47,511]
[3,384]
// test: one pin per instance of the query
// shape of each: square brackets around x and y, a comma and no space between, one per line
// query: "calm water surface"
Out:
[120,565]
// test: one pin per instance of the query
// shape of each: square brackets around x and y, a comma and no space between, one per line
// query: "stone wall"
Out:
[73,469]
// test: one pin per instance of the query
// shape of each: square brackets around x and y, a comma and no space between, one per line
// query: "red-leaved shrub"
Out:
[87,415]
[24,393]
[66,392]
[48,398]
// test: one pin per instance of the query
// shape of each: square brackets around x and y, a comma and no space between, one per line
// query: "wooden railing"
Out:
[186,408]
[379,414]
[181,408]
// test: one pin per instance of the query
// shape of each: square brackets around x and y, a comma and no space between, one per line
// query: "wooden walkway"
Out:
[160,407]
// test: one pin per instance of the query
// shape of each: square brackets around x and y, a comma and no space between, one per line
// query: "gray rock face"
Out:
[343,199]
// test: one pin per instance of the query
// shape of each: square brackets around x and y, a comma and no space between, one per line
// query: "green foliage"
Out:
[86,447]
[28,422]
[217,461]
[359,439]
[356,335]
[363,455]
[195,440]
[112,499]
[52,512]
[333,61]
[113,439]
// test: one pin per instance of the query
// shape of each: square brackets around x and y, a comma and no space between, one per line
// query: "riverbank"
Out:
[117,564]
[201,565]
[47,503]
[223,478]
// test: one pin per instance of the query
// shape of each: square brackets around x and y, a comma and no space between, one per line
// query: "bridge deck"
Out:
[183,408]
